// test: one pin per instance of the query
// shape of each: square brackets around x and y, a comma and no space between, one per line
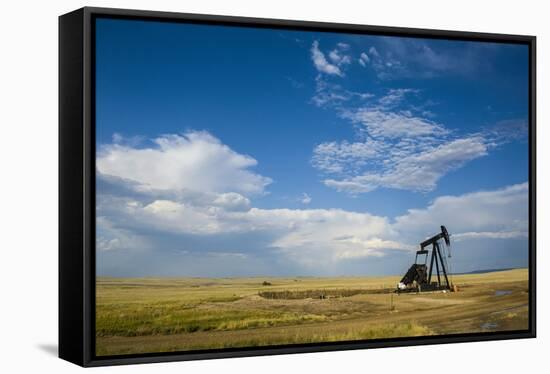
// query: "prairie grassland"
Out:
[176,314]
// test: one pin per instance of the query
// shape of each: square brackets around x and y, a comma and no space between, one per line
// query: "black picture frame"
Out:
[77,185]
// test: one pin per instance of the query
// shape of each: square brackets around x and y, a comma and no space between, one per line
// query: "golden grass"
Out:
[141,315]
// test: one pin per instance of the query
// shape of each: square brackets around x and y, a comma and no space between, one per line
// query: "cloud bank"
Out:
[141,209]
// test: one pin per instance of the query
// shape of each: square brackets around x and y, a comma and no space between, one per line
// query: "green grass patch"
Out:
[318,294]
[299,337]
[167,319]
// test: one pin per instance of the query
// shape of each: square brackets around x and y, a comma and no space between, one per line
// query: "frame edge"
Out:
[77,346]
[71,251]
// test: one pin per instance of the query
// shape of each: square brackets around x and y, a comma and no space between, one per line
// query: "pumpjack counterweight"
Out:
[420,276]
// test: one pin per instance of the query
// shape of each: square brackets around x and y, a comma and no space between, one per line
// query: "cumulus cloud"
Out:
[138,207]
[194,161]
[321,63]
[161,215]
[232,201]
[311,238]
[202,223]
[306,199]
[501,213]
[196,197]
[359,248]
[294,227]
[112,238]
[297,234]
[322,236]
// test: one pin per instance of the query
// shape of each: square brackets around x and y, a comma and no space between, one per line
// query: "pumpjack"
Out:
[419,276]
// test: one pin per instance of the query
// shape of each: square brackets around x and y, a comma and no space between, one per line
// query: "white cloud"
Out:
[337,58]
[193,186]
[321,63]
[195,161]
[232,201]
[394,147]
[111,238]
[497,212]
[353,186]
[359,248]
[344,157]
[314,237]
[364,59]
[163,207]
[131,219]
[343,46]
[124,140]
[134,197]
[410,170]
[412,58]
[385,64]
[374,52]
[330,235]
[333,95]
[395,96]
[228,255]
[297,234]
[306,199]
[161,215]
[329,94]
[381,123]
[117,138]
[490,235]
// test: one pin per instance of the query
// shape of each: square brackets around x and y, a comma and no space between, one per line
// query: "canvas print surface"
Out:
[264,187]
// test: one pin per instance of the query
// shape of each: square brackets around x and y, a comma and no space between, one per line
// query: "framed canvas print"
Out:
[236,186]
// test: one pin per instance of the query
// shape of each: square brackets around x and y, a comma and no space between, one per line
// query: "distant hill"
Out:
[484,271]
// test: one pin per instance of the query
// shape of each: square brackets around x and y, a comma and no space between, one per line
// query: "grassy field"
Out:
[176,314]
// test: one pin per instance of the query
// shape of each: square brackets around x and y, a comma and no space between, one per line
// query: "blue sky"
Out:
[227,151]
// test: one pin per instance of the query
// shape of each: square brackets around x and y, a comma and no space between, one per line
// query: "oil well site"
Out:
[137,315]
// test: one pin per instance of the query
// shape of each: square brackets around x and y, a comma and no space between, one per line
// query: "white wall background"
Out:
[28,183]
